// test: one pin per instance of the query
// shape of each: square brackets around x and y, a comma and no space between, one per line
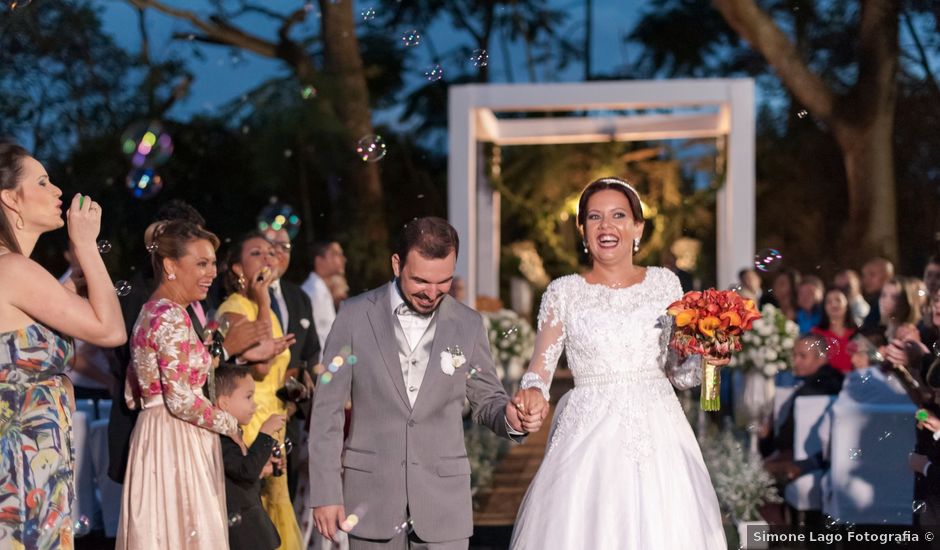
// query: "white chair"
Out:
[810,436]
[869,481]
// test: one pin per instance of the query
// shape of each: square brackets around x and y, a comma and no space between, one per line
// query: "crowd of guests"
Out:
[208,366]
[867,338]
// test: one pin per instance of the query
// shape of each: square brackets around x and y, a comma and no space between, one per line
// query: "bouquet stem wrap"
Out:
[711,387]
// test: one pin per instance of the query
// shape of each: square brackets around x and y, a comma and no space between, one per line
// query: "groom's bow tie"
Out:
[403,311]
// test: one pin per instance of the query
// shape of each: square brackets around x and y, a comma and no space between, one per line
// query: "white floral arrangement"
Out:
[512,343]
[768,347]
[742,484]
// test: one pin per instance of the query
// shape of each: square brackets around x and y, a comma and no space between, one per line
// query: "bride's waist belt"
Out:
[612,378]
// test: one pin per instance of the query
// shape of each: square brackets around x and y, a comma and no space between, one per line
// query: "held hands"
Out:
[526,411]
[330,519]
[84,221]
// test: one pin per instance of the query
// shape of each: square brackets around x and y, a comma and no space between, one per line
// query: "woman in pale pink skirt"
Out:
[174,489]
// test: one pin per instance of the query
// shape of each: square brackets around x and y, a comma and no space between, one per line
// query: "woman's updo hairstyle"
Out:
[168,239]
[614,184]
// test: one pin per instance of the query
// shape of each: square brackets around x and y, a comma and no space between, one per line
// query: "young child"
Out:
[249,525]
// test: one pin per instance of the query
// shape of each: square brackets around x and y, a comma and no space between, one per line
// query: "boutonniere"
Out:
[305,323]
[451,360]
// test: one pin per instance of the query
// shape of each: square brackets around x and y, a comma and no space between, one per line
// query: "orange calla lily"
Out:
[733,318]
[686,317]
[708,325]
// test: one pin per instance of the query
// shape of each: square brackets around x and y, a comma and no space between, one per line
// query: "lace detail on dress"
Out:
[615,342]
[532,380]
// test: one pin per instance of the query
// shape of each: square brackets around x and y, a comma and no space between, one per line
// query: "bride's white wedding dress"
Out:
[623,470]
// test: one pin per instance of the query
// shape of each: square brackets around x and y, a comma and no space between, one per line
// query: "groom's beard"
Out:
[407,299]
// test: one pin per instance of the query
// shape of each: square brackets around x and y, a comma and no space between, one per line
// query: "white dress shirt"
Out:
[324,312]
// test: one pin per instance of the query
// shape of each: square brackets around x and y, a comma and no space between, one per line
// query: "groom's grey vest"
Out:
[414,363]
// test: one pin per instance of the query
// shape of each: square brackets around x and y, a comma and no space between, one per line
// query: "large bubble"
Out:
[144,183]
[277,216]
[147,144]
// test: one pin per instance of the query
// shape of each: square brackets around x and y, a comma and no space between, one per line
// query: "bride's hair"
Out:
[614,184]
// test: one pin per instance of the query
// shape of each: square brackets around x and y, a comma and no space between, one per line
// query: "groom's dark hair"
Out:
[432,237]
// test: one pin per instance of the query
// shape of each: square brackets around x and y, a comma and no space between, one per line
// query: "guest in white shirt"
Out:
[328,261]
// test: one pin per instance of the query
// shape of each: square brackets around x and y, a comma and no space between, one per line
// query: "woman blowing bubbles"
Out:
[37,315]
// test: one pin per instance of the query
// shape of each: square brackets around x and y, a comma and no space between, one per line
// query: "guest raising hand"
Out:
[37,314]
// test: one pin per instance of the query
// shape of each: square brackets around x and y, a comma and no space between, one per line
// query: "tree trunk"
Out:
[868,154]
[367,240]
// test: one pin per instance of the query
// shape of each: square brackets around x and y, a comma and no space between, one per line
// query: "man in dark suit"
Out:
[819,378]
[293,309]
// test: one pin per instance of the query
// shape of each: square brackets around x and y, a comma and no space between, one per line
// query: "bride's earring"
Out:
[171,276]
[636,245]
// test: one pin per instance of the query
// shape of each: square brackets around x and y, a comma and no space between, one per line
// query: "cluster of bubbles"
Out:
[768,259]
[371,148]
[104,246]
[147,146]
[832,523]
[434,73]
[326,372]
[935,348]
[855,454]
[308,92]
[510,332]
[277,216]
[802,113]
[368,14]
[405,527]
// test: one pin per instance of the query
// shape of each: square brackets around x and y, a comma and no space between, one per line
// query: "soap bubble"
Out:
[123,288]
[479,58]
[434,73]
[768,259]
[371,148]
[144,183]
[81,526]
[104,246]
[411,38]
[146,143]
[234,519]
[277,216]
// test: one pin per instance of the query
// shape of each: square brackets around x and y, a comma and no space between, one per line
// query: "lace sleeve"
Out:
[683,373]
[179,373]
[549,343]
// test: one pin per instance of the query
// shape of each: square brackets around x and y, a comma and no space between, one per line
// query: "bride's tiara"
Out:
[619,182]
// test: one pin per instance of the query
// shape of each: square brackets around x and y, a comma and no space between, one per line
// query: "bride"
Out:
[622,469]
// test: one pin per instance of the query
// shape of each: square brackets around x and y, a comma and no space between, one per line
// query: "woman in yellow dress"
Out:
[250,273]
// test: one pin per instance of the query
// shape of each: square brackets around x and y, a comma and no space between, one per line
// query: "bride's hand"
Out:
[717,361]
[530,407]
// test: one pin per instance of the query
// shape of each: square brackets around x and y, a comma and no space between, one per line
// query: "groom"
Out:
[410,354]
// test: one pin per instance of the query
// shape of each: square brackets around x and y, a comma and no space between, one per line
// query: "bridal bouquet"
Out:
[711,323]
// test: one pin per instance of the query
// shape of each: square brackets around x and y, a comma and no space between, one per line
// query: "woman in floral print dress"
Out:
[174,488]
[37,316]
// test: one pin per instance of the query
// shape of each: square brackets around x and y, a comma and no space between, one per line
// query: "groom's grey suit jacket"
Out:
[398,457]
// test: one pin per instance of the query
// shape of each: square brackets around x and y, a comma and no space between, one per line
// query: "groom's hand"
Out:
[526,411]
[328,519]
